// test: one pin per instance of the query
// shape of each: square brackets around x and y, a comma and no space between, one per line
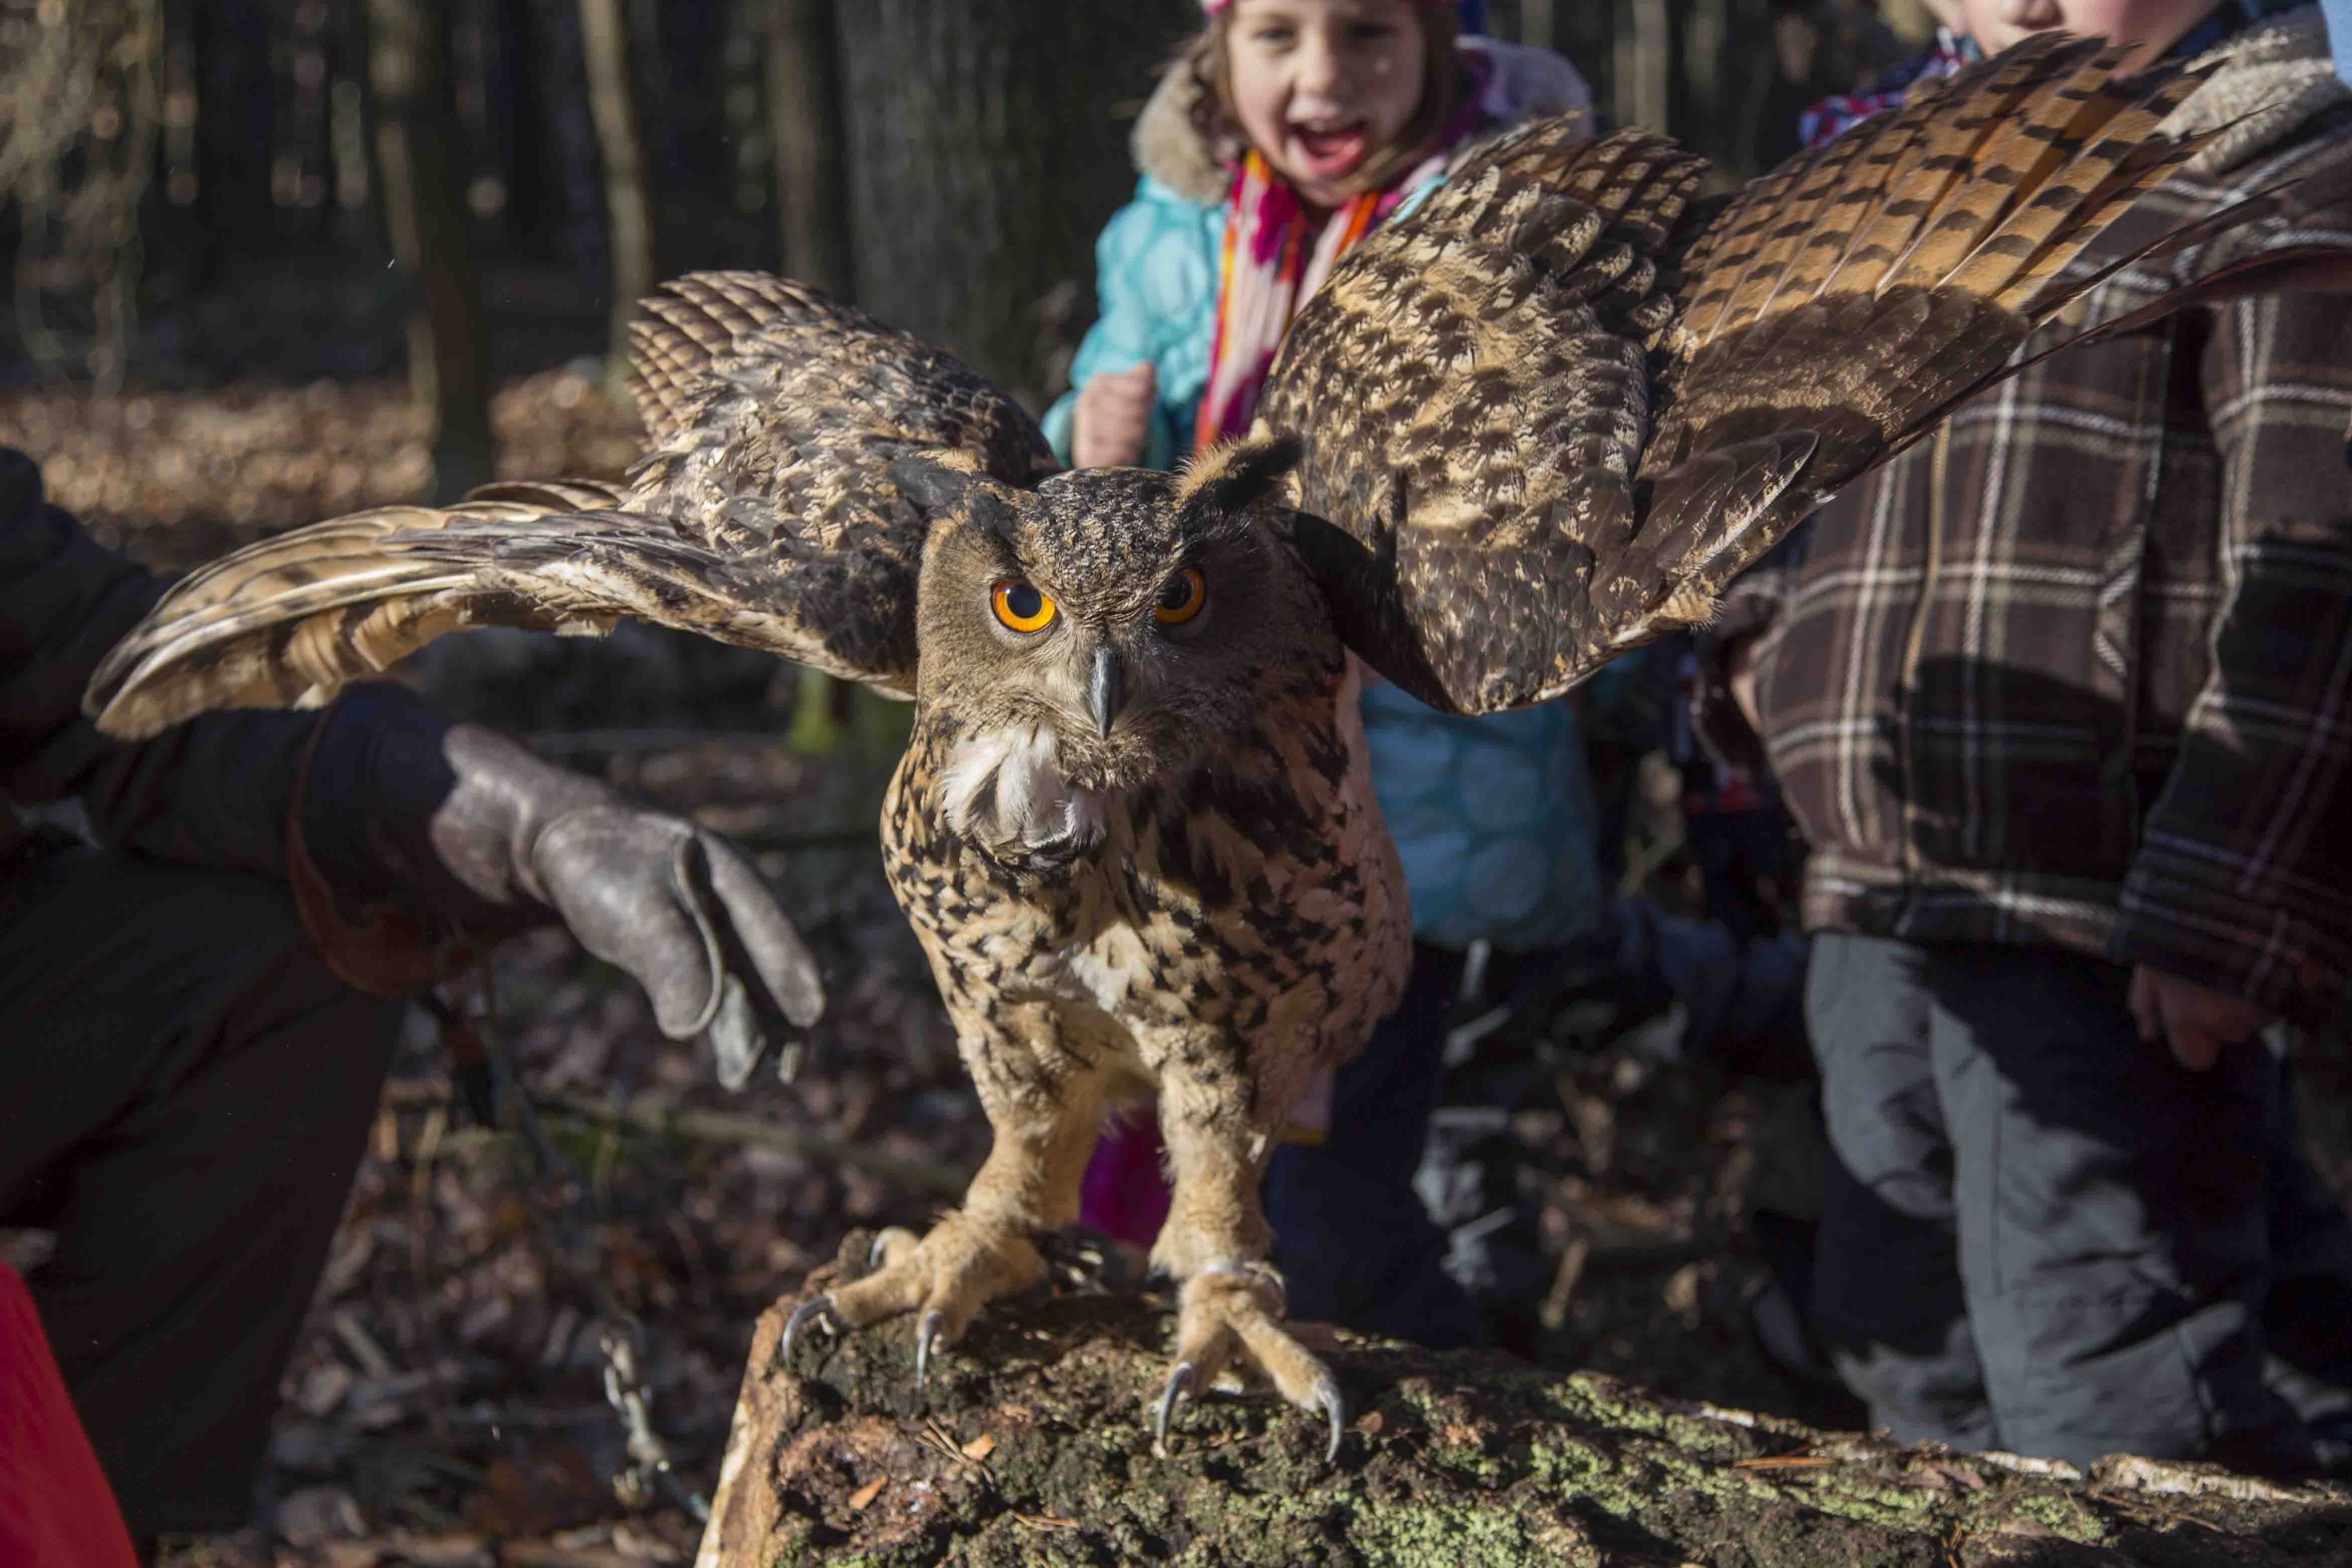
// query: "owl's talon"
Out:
[1229,1310]
[927,1329]
[1326,1395]
[889,1243]
[814,1307]
[1169,1391]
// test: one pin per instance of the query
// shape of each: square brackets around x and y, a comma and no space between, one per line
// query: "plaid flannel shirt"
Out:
[2077,669]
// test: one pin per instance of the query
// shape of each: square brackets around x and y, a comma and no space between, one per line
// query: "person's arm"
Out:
[1147,286]
[2239,901]
[213,793]
[396,806]
[1723,697]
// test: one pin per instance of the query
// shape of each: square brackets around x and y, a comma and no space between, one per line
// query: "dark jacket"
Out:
[2078,669]
[214,793]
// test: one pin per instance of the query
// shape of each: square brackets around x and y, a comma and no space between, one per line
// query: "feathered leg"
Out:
[1028,1186]
[1216,1239]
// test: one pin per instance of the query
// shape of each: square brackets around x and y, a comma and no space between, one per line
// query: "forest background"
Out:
[273,260]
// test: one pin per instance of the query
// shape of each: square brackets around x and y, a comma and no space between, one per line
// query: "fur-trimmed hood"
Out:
[2274,76]
[1521,83]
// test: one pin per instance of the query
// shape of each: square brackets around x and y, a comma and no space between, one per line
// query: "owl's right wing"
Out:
[763,514]
[1548,416]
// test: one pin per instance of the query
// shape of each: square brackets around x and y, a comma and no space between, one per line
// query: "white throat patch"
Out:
[1006,789]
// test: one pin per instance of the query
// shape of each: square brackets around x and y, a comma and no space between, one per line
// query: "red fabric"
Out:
[1125,1193]
[55,1509]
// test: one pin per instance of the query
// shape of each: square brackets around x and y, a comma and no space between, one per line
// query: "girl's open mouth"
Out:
[1330,152]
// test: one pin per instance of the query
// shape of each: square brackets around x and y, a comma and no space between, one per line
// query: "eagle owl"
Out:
[1541,419]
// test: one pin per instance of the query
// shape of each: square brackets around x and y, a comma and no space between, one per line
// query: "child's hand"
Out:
[1113,418]
[1742,674]
[2196,1021]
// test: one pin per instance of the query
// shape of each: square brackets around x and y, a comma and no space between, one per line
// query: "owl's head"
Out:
[1111,627]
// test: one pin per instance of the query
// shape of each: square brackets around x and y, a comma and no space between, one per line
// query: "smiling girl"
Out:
[1285,130]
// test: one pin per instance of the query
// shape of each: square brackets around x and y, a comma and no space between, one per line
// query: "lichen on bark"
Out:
[1033,1445]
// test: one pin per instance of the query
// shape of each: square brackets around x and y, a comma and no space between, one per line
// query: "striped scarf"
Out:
[1276,256]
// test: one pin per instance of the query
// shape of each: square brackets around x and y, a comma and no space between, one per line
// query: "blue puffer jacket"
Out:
[1493,817]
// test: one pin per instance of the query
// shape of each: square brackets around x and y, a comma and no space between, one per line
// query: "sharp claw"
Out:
[814,1307]
[925,1332]
[1326,1395]
[874,1253]
[1177,1382]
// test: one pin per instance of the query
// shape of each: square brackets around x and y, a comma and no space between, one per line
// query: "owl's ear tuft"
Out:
[937,483]
[1230,477]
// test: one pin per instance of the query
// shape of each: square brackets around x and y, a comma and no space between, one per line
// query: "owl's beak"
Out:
[1105,689]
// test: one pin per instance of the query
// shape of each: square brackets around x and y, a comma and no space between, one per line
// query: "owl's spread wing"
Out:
[283,623]
[1866,287]
[1550,414]
[1470,393]
[763,514]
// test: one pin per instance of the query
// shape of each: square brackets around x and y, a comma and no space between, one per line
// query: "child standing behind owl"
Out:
[2060,698]
[1285,130]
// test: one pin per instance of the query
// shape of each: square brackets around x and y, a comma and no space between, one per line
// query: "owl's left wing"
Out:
[1548,416]
[765,513]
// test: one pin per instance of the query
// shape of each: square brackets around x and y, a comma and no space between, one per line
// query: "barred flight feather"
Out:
[1500,501]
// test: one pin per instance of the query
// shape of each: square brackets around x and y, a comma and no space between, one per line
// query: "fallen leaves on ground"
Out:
[178,478]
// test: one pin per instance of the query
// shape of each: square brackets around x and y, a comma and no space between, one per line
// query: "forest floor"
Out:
[444,1405]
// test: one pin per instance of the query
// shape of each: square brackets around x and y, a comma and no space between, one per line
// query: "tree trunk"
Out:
[1033,1445]
[234,133]
[448,348]
[806,138]
[988,143]
[620,136]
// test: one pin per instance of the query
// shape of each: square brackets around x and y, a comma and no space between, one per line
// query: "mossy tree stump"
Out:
[1033,1445]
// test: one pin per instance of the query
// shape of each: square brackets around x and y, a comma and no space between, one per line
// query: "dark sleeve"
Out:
[213,792]
[2241,880]
[1752,606]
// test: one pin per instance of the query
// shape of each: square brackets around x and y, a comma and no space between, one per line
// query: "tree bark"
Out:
[1033,1445]
[988,143]
[808,151]
[806,139]
[628,201]
[449,347]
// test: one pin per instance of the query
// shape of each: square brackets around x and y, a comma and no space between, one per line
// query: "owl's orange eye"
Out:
[1021,606]
[1182,598]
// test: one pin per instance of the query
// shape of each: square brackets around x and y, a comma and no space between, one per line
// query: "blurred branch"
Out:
[646,1114]
[78,134]
[449,347]
[628,201]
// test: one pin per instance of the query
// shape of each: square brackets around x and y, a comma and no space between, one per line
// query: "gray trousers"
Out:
[185,1092]
[2040,1233]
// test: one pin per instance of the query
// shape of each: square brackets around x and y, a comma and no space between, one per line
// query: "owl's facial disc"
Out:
[1108,633]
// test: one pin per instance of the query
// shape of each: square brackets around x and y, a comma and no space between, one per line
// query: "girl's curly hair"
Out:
[1444,84]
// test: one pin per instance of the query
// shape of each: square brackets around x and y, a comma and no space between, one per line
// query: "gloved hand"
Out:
[472,827]
[679,907]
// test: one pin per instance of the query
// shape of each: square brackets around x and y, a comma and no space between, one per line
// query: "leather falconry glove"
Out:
[476,832]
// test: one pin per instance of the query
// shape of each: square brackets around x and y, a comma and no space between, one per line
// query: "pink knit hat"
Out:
[1213,7]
